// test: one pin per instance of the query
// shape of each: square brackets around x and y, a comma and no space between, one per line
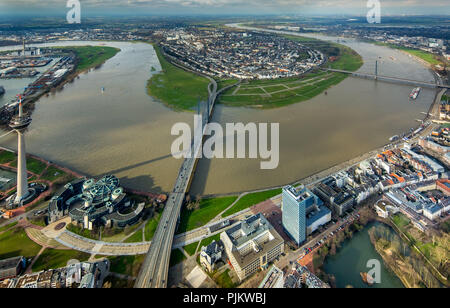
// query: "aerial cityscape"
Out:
[237,145]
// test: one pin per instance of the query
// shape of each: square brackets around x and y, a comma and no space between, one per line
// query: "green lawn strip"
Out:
[287,97]
[54,258]
[33,165]
[209,240]
[120,233]
[150,227]
[4,228]
[225,82]
[91,56]
[224,280]
[6,157]
[250,91]
[135,238]
[83,232]
[250,200]
[209,208]
[39,221]
[191,248]
[15,242]
[126,265]
[52,173]
[274,88]
[424,55]
[176,87]
[176,256]
[114,282]
[401,221]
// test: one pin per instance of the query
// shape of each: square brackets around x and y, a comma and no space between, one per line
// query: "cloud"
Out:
[272,6]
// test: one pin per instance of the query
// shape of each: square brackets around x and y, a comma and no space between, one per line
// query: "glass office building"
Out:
[296,204]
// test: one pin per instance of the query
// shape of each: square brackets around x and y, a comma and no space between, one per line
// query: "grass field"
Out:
[250,200]
[426,56]
[435,248]
[224,280]
[401,221]
[176,88]
[39,221]
[91,56]
[191,248]
[135,238]
[209,240]
[126,265]
[53,258]
[150,227]
[209,208]
[33,165]
[176,257]
[83,232]
[6,157]
[4,228]
[52,174]
[15,242]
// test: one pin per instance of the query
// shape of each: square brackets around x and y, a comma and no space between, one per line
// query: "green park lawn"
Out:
[250,200]
[426,56]
[54,258]
[91,56]
[150,227]
[126,265]
[209,208]
[33,165]
[176,256]
[15,242]
[191,248]
[6,157]
[175,87]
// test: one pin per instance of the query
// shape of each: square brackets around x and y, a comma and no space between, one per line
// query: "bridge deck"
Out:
[154,270]
[391,79]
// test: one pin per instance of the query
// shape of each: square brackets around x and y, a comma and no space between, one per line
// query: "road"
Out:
[154,270]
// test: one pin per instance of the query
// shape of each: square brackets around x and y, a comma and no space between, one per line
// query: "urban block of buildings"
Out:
[76,275]
[302,213]
[210,255]
[241,55]
[251,245]
[300,277]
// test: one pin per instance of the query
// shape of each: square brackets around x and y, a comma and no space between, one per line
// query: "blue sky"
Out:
[177,7]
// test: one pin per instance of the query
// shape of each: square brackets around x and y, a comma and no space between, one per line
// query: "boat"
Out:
[415,93]
[394,138]
[2,90]
[367,279]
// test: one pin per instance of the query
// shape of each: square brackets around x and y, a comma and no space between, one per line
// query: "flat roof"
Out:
[10,263]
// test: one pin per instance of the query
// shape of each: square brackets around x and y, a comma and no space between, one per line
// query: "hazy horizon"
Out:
[222,7]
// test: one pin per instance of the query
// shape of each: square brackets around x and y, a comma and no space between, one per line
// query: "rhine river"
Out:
[125,132]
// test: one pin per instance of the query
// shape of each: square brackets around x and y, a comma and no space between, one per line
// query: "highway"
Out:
[154,270]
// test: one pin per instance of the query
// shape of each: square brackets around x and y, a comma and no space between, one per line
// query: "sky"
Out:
[222,7]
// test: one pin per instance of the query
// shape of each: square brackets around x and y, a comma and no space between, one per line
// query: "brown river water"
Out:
[125,132]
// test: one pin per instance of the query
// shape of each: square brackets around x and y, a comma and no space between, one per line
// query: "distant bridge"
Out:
[391,79]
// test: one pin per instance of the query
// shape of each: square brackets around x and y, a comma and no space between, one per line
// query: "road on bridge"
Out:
[154,270]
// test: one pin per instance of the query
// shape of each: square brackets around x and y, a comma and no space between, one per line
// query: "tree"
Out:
[333,249]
